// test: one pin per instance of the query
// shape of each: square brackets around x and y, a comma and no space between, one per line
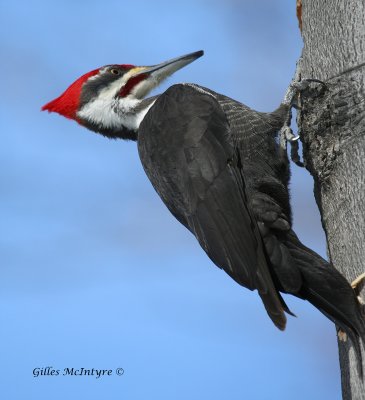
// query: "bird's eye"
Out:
[115,71]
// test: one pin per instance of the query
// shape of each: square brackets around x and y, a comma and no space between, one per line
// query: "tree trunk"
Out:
[332,129]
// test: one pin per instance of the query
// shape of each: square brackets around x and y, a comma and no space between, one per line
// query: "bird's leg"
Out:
[291,98]
[286,133]
[296,87]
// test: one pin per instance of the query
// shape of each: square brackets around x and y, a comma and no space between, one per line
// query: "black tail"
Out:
[329,291]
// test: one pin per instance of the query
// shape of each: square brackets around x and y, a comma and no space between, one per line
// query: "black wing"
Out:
[266,169]
[185,148]
[295,268]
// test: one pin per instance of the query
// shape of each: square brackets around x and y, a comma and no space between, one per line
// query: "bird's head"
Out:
[109,100]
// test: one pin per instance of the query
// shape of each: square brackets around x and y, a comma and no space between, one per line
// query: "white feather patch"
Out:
[111,112]
[115,113]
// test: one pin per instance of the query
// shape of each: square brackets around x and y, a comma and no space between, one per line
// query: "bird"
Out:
[219,168]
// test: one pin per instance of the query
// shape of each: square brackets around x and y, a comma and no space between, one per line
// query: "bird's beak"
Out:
[167,68]
[155,74]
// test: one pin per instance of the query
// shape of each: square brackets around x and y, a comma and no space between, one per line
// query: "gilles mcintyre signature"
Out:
[97,373]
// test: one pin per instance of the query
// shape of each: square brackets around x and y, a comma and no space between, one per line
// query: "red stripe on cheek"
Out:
[131,83]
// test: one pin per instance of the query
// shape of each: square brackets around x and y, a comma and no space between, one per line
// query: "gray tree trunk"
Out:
[332,129]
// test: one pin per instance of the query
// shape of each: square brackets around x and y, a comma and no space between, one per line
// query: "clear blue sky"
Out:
[95,272]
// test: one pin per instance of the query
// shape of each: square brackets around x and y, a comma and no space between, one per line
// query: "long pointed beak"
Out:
[169,67]
[144,79]
[141,80]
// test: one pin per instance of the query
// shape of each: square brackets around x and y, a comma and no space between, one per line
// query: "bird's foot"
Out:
[292,95]
[296,87]
[357,286]
[286,135]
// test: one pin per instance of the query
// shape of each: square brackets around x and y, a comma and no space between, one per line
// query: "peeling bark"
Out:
[299,13]
[332,129]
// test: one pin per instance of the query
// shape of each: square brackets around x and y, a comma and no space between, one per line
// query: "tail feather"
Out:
[329,291]
[342,321]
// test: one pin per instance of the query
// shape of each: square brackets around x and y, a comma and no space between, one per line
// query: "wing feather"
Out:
[195,168]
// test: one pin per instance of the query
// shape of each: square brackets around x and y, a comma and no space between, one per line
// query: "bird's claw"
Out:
[296,87]
[286,134]
[292,138]
[299,86]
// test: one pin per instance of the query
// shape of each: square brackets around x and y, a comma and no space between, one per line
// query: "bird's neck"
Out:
[116,118]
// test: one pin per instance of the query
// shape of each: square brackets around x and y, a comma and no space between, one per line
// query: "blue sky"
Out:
[95,272]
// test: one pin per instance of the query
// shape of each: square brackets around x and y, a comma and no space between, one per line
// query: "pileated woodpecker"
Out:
[219,169]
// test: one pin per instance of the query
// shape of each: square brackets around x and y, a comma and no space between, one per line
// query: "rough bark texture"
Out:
[332,129]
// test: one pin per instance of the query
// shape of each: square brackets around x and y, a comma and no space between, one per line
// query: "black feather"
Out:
[217,166]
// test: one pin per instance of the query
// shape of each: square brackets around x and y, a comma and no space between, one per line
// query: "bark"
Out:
[332,129]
